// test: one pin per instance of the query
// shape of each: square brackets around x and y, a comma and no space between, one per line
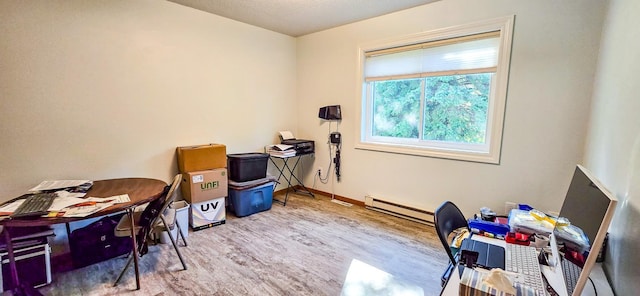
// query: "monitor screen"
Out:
[588,207]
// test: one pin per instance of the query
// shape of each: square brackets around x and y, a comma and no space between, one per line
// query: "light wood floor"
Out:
[305,248]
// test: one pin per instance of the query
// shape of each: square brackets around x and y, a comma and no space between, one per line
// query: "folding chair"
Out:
[155,218]
[447,219]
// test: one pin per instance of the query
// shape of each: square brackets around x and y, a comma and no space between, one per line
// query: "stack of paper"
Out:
[281,150]
[92,205]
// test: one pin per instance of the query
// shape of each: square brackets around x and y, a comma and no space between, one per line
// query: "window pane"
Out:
[396,108]
[456,108]
[439,94]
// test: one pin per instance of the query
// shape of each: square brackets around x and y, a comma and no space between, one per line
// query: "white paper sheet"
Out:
[286,135]
[11,207]
[112,199]
[57,184]
[62,202]
[86,210]
[101,203]
[282,147]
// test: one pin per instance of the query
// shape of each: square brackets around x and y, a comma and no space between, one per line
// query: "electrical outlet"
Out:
[319,171]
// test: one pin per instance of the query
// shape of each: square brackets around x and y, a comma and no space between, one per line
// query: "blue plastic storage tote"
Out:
[251,200]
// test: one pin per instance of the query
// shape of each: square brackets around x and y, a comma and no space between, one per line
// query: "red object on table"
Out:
[517,238]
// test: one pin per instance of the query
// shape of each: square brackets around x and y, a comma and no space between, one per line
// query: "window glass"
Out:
[440,94]
[396,108]
[456,108]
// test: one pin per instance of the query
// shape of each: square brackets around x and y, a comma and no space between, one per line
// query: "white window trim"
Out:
[496,108]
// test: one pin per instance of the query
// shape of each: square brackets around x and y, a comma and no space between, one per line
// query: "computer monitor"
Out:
[589,207]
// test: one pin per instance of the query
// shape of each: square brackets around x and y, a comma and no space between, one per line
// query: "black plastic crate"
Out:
[247,166]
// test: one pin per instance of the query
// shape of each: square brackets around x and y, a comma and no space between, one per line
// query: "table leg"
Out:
[282,175]
[135,247]
[290,177]
[293,176]
[278,168]
[12,260]
[285,165]
[68,227]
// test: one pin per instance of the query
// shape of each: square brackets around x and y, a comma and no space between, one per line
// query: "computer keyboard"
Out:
[35,205]
[523,260]
[571,273]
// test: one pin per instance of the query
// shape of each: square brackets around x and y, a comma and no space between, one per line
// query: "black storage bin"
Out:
[97,242]
[247,166]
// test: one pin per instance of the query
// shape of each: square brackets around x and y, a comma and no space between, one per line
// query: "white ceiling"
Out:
[300,17]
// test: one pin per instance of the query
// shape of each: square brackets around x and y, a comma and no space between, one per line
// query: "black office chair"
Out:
[447,219]
[156,217]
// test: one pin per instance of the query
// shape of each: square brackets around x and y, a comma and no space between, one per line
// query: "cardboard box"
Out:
[207,214]
[204,185]
[201,157]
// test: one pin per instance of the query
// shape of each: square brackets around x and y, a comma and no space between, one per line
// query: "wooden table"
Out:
[140,191]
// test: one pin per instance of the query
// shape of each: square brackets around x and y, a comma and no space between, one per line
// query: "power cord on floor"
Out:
[595,291]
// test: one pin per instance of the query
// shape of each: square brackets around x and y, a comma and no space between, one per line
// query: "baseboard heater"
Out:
[398,210]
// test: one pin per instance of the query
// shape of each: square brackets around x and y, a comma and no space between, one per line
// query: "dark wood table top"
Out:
[140,191]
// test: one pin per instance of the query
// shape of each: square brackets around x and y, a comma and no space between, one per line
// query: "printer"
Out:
[301,146]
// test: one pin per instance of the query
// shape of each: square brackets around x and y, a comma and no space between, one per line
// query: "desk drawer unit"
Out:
[33,263]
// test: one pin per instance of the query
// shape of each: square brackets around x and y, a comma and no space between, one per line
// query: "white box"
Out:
[207,213]
[182,218]
[34,266]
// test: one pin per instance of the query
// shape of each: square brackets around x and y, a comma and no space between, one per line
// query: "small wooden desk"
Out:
[140,191]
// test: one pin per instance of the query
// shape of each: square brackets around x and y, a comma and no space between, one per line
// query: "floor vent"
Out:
[402,211]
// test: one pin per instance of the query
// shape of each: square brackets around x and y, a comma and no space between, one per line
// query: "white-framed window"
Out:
[440,93]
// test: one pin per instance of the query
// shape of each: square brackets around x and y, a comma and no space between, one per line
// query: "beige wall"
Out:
[613,145]
[555,46]
[107,89]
